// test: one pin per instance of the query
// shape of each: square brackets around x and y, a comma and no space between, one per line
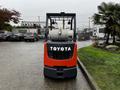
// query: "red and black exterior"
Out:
[60,57]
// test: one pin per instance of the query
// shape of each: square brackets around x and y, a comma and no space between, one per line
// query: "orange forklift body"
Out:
[60,52]
[51,62]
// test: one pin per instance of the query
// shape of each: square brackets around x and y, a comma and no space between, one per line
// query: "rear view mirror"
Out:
[69,22]
[53,22]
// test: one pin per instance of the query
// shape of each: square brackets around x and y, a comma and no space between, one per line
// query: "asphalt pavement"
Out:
[21,68]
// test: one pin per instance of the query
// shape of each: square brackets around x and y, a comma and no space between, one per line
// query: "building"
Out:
[85,34]
[24,30]
[99,31]
[31,26]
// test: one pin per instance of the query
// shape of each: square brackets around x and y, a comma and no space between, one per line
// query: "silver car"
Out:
[31,37]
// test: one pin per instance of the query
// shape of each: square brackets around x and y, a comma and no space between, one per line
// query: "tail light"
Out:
[32,34]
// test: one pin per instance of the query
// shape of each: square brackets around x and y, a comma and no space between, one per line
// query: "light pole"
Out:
[38,25]
[39,19]
[89,23]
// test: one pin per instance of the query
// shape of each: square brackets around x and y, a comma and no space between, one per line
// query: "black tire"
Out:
[33,40]
[74,77]
[45,76]
[26,40]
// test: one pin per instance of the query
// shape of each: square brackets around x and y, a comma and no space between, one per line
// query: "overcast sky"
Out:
[31,9]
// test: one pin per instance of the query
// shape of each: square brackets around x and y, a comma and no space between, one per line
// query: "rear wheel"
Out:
[25,40]
[33,40]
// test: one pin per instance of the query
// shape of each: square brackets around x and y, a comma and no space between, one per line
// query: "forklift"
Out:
[60,47]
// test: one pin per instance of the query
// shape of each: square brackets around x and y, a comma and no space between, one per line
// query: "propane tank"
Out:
[60,34]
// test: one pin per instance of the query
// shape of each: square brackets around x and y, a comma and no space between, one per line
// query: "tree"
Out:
[8,15]
[108,15]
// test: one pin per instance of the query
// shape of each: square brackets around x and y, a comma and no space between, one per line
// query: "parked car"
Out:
[7,36]
[1,36]
[21,36]
[31,37]
[15,37]
[41,36]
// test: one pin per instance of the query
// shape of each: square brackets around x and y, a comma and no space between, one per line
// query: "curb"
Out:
[87,76]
